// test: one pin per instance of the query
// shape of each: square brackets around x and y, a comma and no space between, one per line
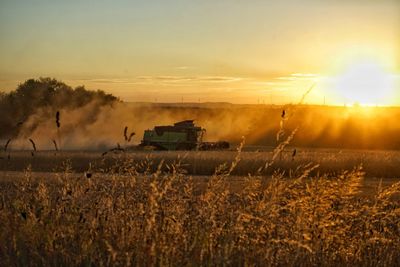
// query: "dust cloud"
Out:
[93,120]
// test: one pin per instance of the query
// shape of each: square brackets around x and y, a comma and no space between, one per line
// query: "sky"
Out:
[238,51]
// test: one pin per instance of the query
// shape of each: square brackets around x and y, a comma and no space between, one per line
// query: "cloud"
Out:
[107,81]
[304,75]
[190,78]
[298,76]
[183,67]
[220,79]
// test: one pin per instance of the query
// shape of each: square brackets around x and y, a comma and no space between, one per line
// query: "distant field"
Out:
[45,166]
[378,164]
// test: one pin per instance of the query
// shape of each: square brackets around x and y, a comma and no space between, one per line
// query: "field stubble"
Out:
[148,209]
[375,163]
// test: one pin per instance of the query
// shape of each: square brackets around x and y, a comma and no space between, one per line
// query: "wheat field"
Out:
[144,211]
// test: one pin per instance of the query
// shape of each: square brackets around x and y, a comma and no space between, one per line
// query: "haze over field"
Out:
[95,120]
[201,51]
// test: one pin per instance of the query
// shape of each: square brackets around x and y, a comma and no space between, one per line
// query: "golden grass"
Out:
[161,217]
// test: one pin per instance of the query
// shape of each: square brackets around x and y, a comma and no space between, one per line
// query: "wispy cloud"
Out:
[298,77]
[183,67]
[107,81]
[216,79]
[306,75]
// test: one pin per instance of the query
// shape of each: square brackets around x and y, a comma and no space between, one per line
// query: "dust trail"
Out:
[95,120]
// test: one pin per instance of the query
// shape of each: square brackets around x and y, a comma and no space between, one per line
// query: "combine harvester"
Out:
[183,135]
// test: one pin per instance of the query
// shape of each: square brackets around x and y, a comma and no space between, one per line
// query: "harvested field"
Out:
[148,208]
[375,163]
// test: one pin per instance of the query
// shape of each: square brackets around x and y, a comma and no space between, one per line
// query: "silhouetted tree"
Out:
[16,106]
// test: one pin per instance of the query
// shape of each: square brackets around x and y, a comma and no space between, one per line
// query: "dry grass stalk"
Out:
[55,145]
[237,158]
[33,144]
[279,149]
[126,137]
[126,133]
[285,116]
[130,136]
[6,145]
[58,124]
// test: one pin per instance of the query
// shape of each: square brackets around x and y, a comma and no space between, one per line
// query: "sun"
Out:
[364,83]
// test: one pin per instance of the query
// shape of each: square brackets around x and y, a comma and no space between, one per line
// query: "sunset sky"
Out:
[227,50]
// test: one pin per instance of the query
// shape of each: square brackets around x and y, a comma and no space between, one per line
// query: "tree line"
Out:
[16,106]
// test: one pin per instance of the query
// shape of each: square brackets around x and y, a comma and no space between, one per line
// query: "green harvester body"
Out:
[182,135]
